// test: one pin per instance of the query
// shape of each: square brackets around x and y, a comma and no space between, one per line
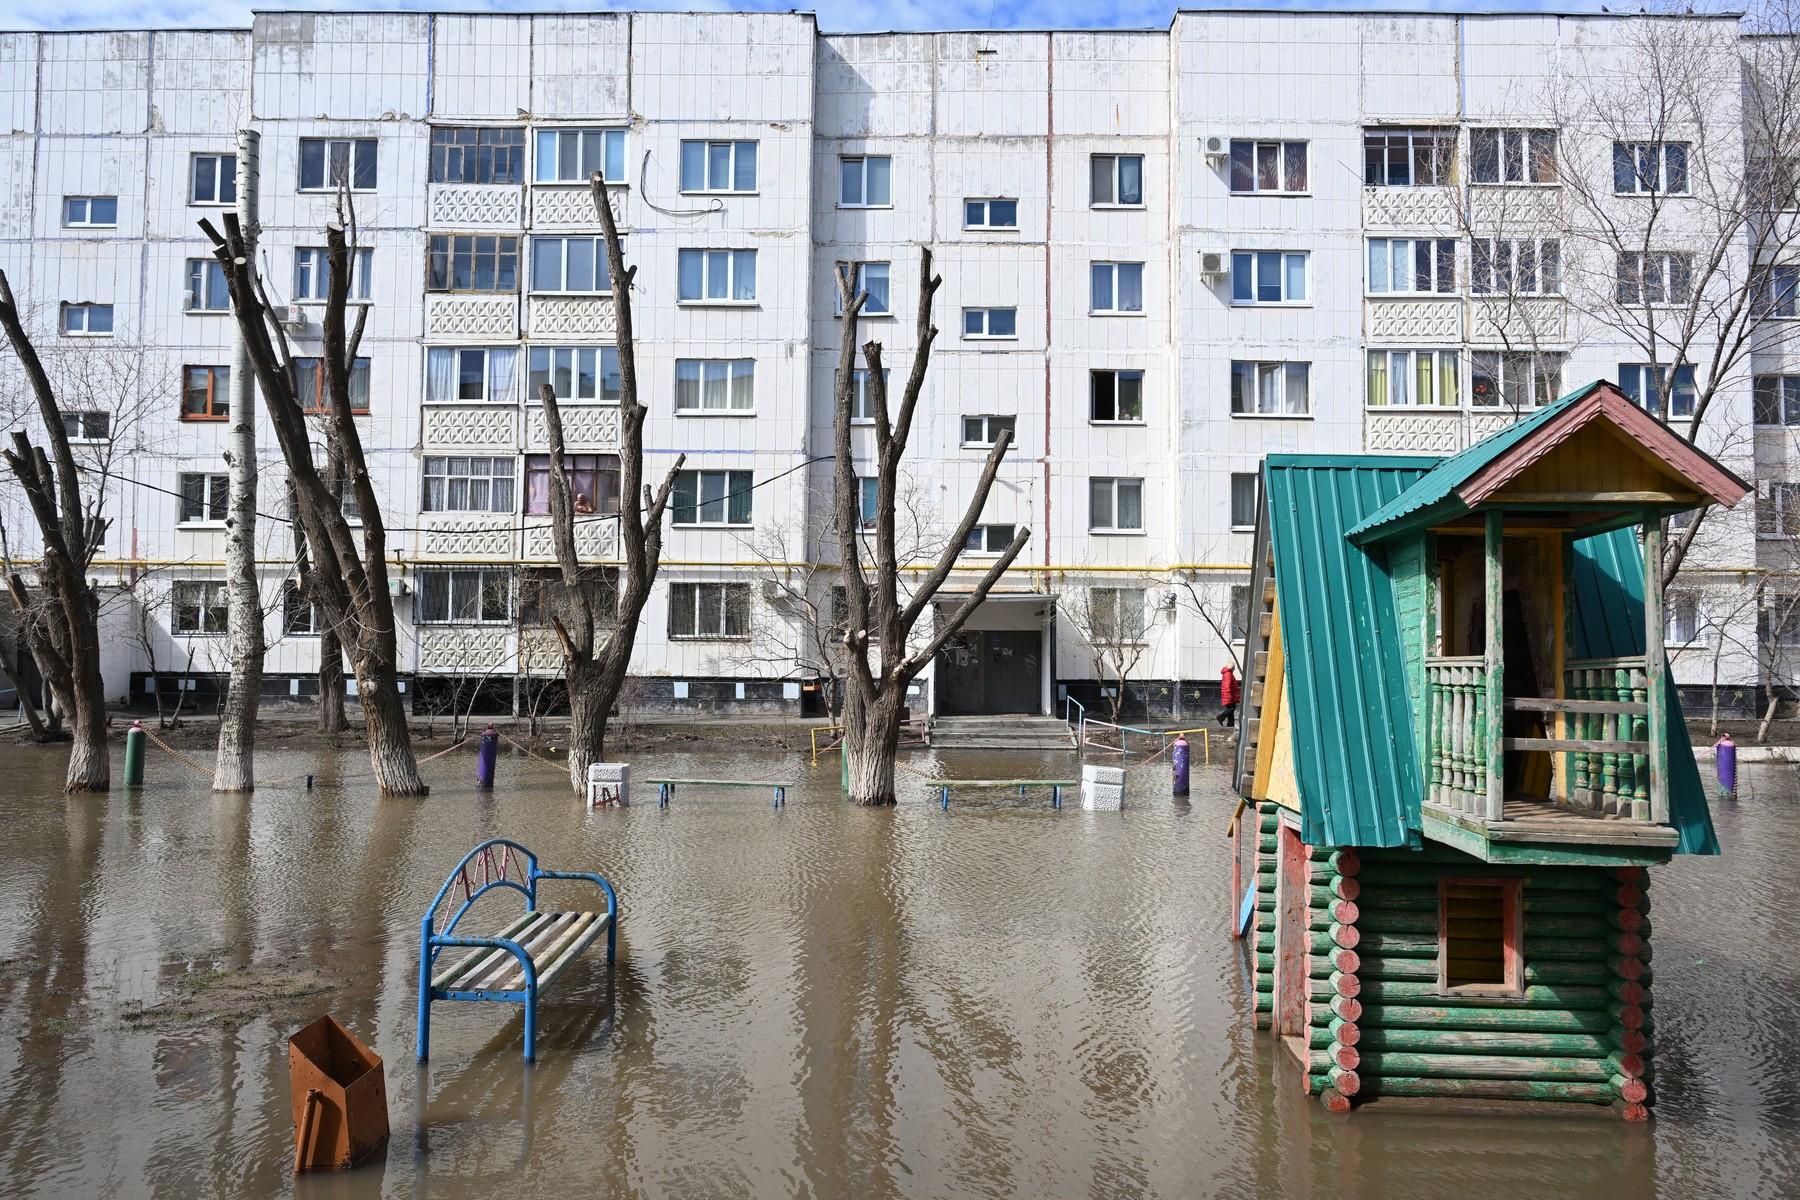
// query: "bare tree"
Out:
[1113,621]
[65,643]
[13,623]
[345,578]
[879,623]
[595,666]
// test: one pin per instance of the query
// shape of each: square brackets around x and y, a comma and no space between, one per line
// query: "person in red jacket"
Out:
[1228,695]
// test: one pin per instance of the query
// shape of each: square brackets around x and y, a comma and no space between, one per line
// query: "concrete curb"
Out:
[1754,754]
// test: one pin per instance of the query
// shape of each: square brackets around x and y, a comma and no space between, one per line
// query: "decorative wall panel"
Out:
[476,205]
[471,317]
[488,427]
[1423,321]
[585,427]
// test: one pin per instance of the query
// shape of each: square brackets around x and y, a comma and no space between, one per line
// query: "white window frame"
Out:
[686,599]
[734,379]
[1114,486]
[215,499]
[1779,501]
[562,242]
[984,317]
[1512,147]
[1113,173]
[1777,296]
[1439,251]
[1515,368]
[862,406]
[1114,269]
[1281,147]
[859,165]
[712,260]
[493,373]
[1780,391]
[1117,374]
[709,184]
[87,209]
[207,292]
[1500,266]
[485,582]
[1109,627]
[547,151]
[1272,380]
[1242,481]
[215,169]
[1651,278]
[986,223]
[210,598]
[68,327]
[495,475]
[1630,160]
[80,432]
[1391,362]
[353,159]
[1688,603]
[989,433]
[990,539]
[312,275]
[1640,378]
[857,270]
[746,482]
[1251,264]
[573,359]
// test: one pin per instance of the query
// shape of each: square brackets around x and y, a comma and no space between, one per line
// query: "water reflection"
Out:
[1001,1000]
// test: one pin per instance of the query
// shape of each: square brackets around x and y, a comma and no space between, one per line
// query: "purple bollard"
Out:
[1179,757]
[1727,753]
[485,757]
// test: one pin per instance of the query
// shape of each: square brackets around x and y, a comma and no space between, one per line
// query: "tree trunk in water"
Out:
[234,767]
[1762,730]
[90,760]
[331,684]
[589,703]
[9,666]
[384,721]
[873,745]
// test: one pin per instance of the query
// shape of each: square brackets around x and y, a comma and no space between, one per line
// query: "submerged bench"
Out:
[527,955]
[1056,786]
[665,788]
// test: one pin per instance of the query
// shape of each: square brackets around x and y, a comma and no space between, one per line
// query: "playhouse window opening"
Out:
[1478,942]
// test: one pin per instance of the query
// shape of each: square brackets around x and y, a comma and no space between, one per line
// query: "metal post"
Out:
[946,792]
[1179,757]
[1727,752]
[486,757]
[134,755]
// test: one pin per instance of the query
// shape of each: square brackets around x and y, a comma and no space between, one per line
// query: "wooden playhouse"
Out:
[1463,755]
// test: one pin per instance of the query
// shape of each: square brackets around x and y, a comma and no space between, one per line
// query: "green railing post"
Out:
[134,755]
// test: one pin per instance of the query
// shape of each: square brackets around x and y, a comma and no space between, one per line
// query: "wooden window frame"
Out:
[1511,938]
[213,389]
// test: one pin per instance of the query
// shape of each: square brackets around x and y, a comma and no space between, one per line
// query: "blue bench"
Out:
[521,960]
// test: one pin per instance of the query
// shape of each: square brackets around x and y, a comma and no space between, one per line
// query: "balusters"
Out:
[1640,732]
[1435,727]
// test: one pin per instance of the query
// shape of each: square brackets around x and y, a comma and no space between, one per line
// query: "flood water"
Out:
[1000,1000]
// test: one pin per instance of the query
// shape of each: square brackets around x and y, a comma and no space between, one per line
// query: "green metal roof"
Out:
[1609,623]
[1355,756]
[1451,473]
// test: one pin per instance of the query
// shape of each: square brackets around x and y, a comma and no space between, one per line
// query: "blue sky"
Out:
[834,15]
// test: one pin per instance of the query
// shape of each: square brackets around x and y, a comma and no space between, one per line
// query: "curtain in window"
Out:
[1294,395]
[1131,504]
[743,279]
[1131,180]
[1100,504]
[441,374]
[503,373]
[1131,287]
[1378,378]
[739,497]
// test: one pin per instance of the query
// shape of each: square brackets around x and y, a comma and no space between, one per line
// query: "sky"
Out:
[833,15]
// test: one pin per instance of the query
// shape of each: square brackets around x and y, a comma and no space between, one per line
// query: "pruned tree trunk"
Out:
[331,683]
[65,635]
[879,621]
[15,679]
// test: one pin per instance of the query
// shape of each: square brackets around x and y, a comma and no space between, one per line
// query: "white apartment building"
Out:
[1165,254]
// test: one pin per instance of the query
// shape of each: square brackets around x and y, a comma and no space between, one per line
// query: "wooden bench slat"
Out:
[507,967]
[485,963]
[511,976]
[468,962]
[575,950]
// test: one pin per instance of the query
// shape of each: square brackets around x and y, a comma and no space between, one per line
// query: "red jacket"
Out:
[1228,686]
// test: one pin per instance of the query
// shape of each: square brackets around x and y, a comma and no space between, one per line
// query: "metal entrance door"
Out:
[1013,671]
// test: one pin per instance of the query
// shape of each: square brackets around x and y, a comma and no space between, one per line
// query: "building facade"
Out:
[1165,255]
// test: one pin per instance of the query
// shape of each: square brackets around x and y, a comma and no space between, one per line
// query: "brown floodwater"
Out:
[1000,1000]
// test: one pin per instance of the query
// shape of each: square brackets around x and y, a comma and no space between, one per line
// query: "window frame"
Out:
[293,603]
[985,225]
[1117,635]
[1777,295]
[602,354]
[476,152]
[1529,156]
[423,589]
[1442,256]
[862,168]
[1253,163]
[206,283]
[489,392]
[317,405]
[987,318]
[1645,373]
[730,383]
[1255,486]
[1116,375]
[1633,282]
[1254,261]
[1780,500]
[1675,601]
[1113,528]
[728,593]
[312,268]
[211,496]
[1781,390]
[856,285]
[1511,936]
[1505,364]
[81,434]
[1492,273]
[442,251]
[1284,374]
[733,147]
[447,478]
[991,426]
[612,139]
[1113,267]
[87,308]
[708,256]
[358,148]
[603,469]
[984,534]
[1628,162]
[1115,180]
[1386,355]
[216,410]
[602,265]
[87,221]
[1443,156]
[862,405]
[219,180]
[736,483]
[211,598]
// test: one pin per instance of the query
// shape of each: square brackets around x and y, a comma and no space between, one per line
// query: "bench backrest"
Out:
[497,863]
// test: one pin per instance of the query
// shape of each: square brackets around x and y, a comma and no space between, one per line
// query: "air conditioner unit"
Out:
[291,316]
[1215,264]
[1216,146]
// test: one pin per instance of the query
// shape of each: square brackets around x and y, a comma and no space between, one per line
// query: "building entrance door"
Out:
[990,671]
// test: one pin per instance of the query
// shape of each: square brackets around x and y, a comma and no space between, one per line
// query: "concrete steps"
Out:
[1001,733]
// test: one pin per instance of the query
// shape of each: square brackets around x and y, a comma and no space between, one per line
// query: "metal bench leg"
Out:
[662,795]
[946,799]
[424,1037]
[1056,796]
[531,1024]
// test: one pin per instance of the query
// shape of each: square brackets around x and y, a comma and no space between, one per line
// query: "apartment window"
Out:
[299,616]
[990,214]
[1775,183]
[1412,266]
[864,182]
[333,162]
[573,155]
[981,323]
[593,483]
[309,385]
[1243,499]
[1479,950]
[1776,399]
[1117,613]
[1683,619]
[1777,288]
[542,594]
[1778,511]
[491,155]
[709,610]
[1116,180]
[870,277]
[1116,287]
[984,431]
[472,262]
[1270,389]
[471,595]
[468,484]
[716,277]
[1268,167]
[1409,157]
[90,212]
[868,495]
[1640,382]
[1648,168]
[312,273]
[1238,619]
[712,497]
[862,403]
[1115,505]
[89,320]
[198,606]
[1512,155]
[570,264]
[575,373]
[715,385]
[989,539]
[205,393]
[204,497]
[1116,396]
[471,373]
[1515,266]
[206,289]
[1269,277]
[91,425]
[718,166]
[212,179]
[1780,617]
[1399,378]
[1514,379]
[1660,277]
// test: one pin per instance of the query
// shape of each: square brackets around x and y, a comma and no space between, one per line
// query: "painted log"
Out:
[1543,996]
[1596,925]
[1347,1082]
[1347,936]
[1629,968]
[1487,1041]
[1380,1064]
[1340,912]
[1346,962]
[1346,1008]
[1333,1058]
[1345,862]
[1334,1100]
[1631,1066]
[1627,991]
[1427,1016]
[1629,1016]
[1492,1089]
[1348,1033]
[1632,1091]
[1426,874]
[1632,1041]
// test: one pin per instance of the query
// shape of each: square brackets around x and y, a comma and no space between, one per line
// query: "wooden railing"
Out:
[1457,750]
